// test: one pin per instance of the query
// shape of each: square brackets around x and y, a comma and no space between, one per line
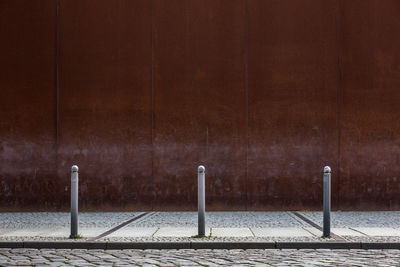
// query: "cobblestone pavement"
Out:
[52,257]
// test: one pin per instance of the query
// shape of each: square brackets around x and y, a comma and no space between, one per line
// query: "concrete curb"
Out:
[148,245]
[372,245]
[197,245]
[318,245]
[233,245]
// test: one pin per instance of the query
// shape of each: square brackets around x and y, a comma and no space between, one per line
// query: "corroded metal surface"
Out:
[27,104]
[105,101]
[293,83]
[370,110]
[139,93]
[199,102]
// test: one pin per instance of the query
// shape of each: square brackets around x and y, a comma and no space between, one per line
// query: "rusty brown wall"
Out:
[199,102]
[138,93]
[370,104]
[293,83]
[27,104]
[105,100]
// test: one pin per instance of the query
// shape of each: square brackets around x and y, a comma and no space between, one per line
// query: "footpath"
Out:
[178,230]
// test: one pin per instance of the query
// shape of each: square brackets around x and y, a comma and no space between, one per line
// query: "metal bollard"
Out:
[201,200]
[74,201]
[327,202]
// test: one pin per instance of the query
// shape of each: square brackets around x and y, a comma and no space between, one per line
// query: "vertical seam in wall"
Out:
[339,98]
[152,103]
[246,64]
[57,82]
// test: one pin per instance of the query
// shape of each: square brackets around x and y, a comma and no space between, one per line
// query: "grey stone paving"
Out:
[216,239]
[51,257]
[221,219]
[18,220]
[359,219]
[180,226]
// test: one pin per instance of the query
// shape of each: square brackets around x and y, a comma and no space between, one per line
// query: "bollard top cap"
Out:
[201,169]
[74,168]
[327,169]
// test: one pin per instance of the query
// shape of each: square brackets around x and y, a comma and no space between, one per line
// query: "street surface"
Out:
[52,257]
[181,226]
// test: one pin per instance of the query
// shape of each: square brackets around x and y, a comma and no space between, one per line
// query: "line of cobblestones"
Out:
[53,257]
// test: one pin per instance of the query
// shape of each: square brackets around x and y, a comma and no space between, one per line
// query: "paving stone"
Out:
[231,232]
[345,232]
[314,231]
[221,219]
[378,231]
[134,232]
[49,226]
[58,232]
[278,232]
[92,232]
[349,219]
[29,232]
[178,232]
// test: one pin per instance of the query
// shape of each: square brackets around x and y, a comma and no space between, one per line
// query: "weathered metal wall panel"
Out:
[105,101]
[199,102]
[27,104]
[293,82]
[263,93]
[370,104]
